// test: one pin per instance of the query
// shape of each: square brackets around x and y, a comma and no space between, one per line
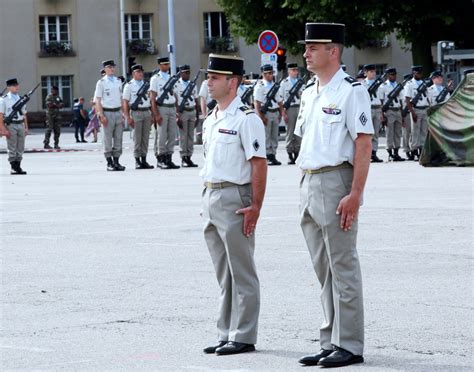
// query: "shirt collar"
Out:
[13,95]
[233,107]
[164,74]
[336,80]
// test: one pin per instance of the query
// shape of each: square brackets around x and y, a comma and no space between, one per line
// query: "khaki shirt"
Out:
[109,90]
[330,120]
[130,91]
[285,87]
[385,90]
[230,139]
[157,84]
[6,104]
[377,100]
[433,93]
[411,90]
[180,87]
[260,93]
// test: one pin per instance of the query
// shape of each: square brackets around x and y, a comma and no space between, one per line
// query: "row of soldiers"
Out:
[391,102]
[170,103]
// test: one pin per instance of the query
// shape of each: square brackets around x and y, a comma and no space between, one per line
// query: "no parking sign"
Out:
[268,42]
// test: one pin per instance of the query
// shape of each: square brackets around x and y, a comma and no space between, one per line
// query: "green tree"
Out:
[420,23]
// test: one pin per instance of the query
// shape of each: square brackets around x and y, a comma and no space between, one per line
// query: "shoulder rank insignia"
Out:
[311,82]
[209,113]
[247,110]
[351,80]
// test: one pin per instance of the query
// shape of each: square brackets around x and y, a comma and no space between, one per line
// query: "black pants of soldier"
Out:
[54,125]
[80,127]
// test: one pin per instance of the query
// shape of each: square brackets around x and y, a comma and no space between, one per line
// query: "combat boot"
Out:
[375,158]
[145,165]
[110,165]
[118,166]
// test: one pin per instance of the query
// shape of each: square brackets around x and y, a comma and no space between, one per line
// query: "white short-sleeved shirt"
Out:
[377,100]
[330,121]
[411,90]
[180,87]
[109,90]
[157,83]
[130,91]
[230,139]
[433,93]
[386,88]
[6,104]
[261,90]
[285,88]
[204,92]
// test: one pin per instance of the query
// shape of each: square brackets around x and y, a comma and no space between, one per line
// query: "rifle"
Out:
[167,89]
[294,92]
[248,93]
[188,92]
[377,83]
[442,95]
[392,96]
[18,106]
[141,95]
[421,90]
[270,97]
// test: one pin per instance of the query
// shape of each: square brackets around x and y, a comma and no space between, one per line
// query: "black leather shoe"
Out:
[212,349]
[312,360]
[340,358]
[233,347]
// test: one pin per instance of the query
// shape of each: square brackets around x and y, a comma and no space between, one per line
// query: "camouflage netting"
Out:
[450,139]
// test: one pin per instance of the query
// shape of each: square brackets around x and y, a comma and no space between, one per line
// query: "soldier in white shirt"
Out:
[336,129]
[108,104]
[165,115]
[376,109]
[234,175]
[186,119]
[293,142]
[16,130]
[418,113]
[437,93]
[204,100]
[137,111]
[393,116]
[271,119]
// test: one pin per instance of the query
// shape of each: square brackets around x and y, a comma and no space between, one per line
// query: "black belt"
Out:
[421,107]
[167,105]
[294,105]
[17,121]
[376,107]
[189,109]
[272,110]
[394,108]
[111,109]
[142,109]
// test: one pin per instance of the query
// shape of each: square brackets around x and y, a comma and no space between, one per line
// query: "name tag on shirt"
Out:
[331,111]
[228,131]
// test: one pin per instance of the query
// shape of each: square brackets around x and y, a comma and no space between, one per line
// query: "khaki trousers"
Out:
[334,257]
[232,254]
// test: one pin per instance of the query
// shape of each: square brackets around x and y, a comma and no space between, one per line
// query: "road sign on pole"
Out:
[268,42]
[270,59]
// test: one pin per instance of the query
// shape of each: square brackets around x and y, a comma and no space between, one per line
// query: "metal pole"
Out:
[122,40]
[171,48]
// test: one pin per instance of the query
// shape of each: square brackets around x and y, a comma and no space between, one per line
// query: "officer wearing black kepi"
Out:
[16,130]
[137,112]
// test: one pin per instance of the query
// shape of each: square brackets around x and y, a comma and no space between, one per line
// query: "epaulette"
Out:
[247,110]
[311,82]
[351,80]
[209,113]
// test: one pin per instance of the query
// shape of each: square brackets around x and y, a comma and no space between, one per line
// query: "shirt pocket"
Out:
[226,150]
[331,129]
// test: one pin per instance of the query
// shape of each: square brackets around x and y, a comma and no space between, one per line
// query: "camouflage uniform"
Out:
[52,118]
